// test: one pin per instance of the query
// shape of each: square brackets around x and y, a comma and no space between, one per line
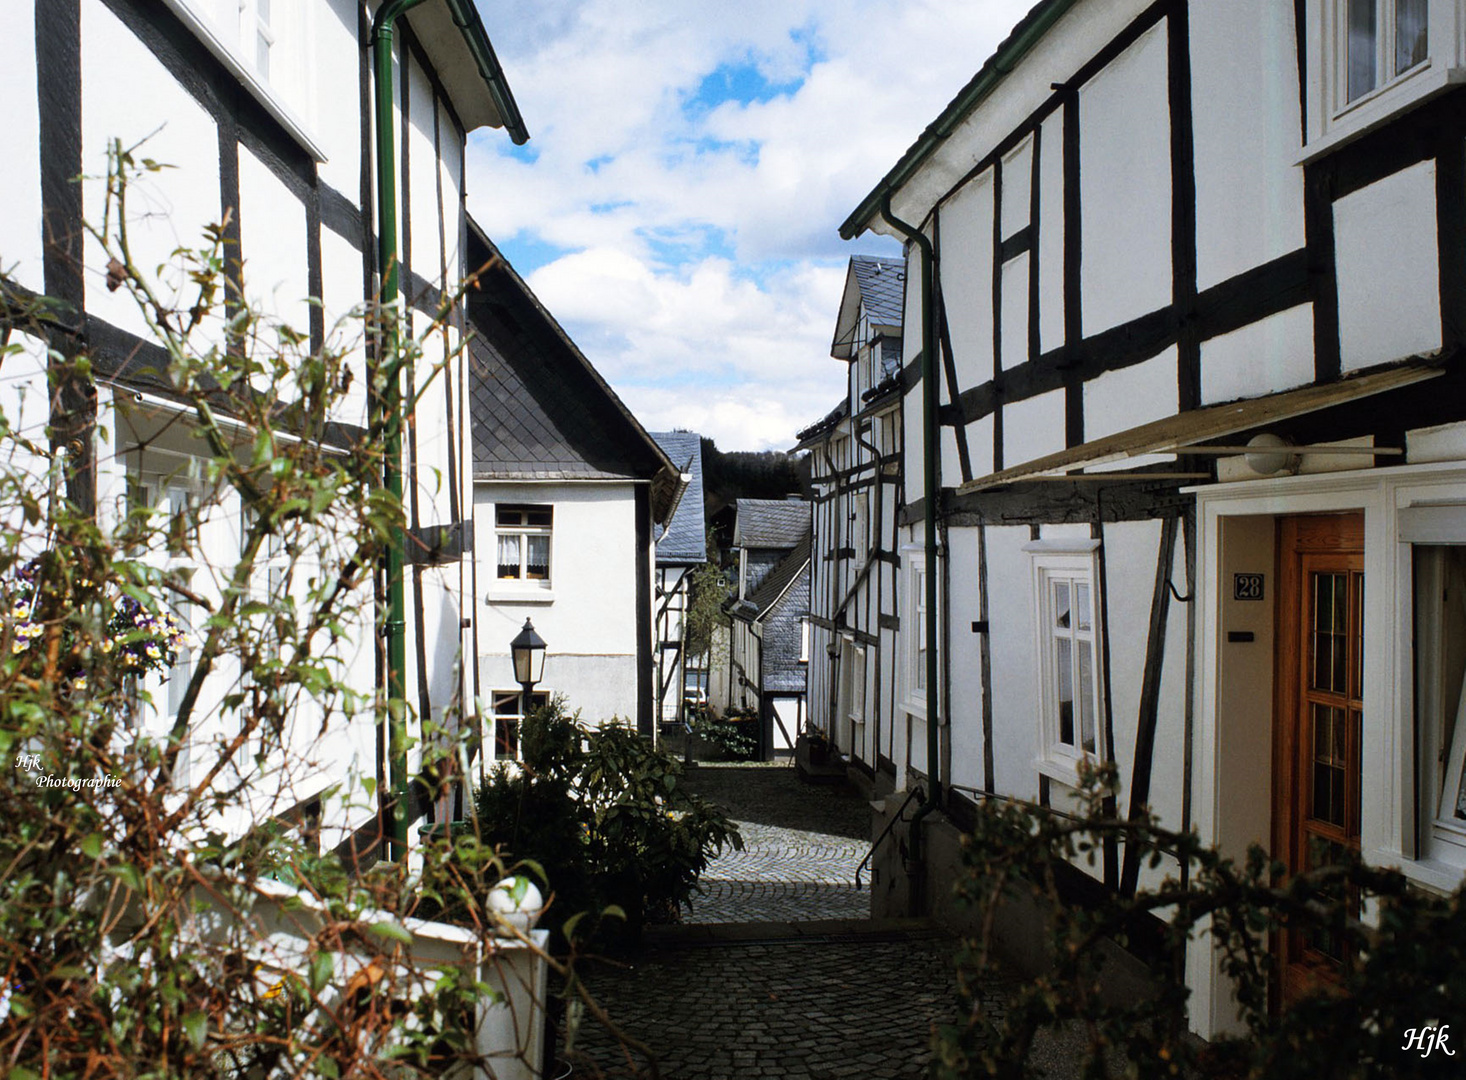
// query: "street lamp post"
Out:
[528,651]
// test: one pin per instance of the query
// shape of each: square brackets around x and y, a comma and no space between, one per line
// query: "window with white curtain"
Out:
[522,536]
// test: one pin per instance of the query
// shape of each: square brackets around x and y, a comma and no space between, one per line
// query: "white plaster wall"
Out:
[1051,233]
[1167,777]
[1388,269]
[128,95]
[1130,550]
[967,280]
[951,473]
[450,164]
[1067,46]
[1125,186]
[1033,427]
[1015,674]
[417,141]
[964,660]
[20,187]
[272,241]
[980,445]
[590,622]
[1244,86]
[1017,187]
[26,407]
[911,310]
[337,121]
[341,283]
[1275,353]
[1015,311]
[1128,397]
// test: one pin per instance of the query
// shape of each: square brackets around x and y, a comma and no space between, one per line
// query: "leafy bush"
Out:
[603,815]
[734,734]
[1407,970]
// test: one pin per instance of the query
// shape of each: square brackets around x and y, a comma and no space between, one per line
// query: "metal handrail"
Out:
[916,792]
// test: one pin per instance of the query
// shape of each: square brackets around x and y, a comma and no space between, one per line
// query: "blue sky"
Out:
[690,163]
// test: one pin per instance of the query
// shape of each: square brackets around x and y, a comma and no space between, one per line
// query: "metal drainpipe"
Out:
[930,491]
[389,413]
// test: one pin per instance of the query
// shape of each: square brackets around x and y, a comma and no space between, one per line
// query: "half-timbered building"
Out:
[329,189]
[1182,373]
[682,547]
[855,455]
[768,646]
[567,490]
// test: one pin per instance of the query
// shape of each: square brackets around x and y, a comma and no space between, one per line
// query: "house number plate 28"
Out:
[1247,586]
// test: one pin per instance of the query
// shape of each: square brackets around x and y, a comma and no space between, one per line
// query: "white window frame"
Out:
[913,628]
[1439,837]
[498,698]
[524,531]
[227,28]
[1332,118]
[154,490]
[1077,563]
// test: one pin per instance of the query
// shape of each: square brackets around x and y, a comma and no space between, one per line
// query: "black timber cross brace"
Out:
[1150,695]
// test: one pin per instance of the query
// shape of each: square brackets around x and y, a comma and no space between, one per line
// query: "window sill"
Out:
[1064,770]
[1382,108]
[528,595]
[1436,875]
[261,92]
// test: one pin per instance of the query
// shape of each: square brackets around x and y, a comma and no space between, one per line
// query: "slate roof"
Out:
[758,603]
[878,286]
[539,410]
[882,287]
[684,540]
[770,523]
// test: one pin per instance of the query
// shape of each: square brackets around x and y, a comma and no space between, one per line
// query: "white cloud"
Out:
[703,266]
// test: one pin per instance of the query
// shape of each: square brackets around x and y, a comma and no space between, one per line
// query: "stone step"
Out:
[812,932]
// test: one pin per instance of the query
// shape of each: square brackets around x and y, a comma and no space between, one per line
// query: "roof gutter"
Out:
[466,18]
[930,492]
[1025,35]
[386,417]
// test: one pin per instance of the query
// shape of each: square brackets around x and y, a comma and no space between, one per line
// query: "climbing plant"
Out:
[1404,950]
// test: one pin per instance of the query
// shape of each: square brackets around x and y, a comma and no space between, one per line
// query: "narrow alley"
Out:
[771,974]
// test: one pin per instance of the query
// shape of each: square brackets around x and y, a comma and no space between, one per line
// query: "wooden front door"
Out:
[1320,688]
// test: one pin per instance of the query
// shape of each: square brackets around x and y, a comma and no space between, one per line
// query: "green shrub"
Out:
[1406,967]
[735,734]
[603,814]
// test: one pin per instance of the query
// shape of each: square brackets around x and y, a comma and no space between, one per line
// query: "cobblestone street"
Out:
[802,844]
[775,972]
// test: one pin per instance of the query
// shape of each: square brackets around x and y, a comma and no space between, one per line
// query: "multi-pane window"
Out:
[1068,646]
[508,715]
[918,630]
[1383,39]
[172,531]
[258,31]
[523,534]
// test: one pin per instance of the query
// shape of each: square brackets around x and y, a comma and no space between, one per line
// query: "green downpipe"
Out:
[390,416]
[930,491]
